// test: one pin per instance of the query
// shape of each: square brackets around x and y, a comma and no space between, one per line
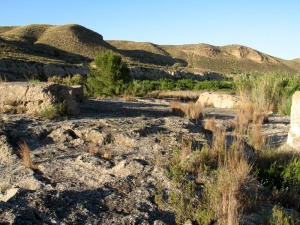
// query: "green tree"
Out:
[109,76]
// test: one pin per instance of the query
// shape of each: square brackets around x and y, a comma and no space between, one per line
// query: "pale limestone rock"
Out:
[37,97]
[294,133]
[6,151]
[224,101]
[9,194]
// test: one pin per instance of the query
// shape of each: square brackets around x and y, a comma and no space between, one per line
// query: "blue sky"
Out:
[270,26]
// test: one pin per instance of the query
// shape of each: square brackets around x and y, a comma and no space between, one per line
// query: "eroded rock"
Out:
[294,133]
[33,98]
[224,101]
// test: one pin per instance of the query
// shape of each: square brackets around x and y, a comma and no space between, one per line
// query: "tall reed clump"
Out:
[268,91]
[221,196]
[249,120]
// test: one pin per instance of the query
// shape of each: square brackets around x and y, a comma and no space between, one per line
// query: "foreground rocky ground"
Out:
[100,167]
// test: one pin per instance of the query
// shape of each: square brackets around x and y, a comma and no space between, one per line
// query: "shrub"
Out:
[109,76]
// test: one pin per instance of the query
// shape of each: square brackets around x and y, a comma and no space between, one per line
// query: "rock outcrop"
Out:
[17,70]
[156,74]
[33,98]
[294,133]
[224,101]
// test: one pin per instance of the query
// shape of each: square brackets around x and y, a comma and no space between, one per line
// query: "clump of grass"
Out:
[129,98]
[186,148]
[281,217]
[11,106]
[93,150]
[53,111]
[189,110]
[24,151]
[76,79]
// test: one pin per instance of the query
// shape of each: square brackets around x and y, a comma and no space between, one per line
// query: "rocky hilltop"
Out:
[68,49]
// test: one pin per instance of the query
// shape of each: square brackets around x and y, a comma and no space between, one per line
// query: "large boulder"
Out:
[217,100]
[33,98]
[294,133]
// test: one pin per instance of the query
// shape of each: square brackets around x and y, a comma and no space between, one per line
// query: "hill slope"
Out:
[76,44]
[68,43]
[204,57]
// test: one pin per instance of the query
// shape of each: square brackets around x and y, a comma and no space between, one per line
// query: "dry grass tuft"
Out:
[259,117]
[189,110]
[210,124]
[186,148]
[244,117]
[177,108]
[257,139]
[129,98]
[106,155]
[94,150]
[247,114]
[24,151]
[219,141]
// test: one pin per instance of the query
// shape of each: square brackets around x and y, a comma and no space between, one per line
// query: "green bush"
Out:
[280,173]
[142,87]
[109,76]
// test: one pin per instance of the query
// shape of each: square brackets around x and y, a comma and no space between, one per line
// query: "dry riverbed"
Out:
[102,166]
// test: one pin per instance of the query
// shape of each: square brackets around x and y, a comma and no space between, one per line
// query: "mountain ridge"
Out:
[72,43]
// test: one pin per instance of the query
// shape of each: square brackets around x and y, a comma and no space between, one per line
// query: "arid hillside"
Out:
[75,44]
[67,43]
[205,57]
